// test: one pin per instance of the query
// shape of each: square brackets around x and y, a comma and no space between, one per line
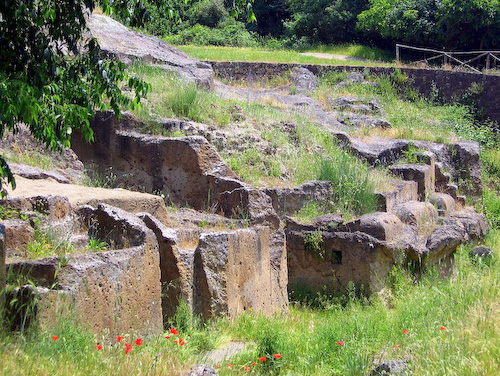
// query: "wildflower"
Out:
[181,342]
[405,331]
[120,338]
[138,341]
[248,368]
[217,366]
[128,348]
[340,343]
[253,120]
[443,272]
[167,337]
[262,358]
[98,347]
[254,364]
[173,331]
[442,328]
[55,338]
[277,356]
[396,347]
[230,365]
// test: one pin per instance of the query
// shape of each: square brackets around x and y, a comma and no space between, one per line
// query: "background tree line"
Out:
[443,24]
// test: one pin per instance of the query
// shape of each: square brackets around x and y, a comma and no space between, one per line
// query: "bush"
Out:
[232,34]
[209,12]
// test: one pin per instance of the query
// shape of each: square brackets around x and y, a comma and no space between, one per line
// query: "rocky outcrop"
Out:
[304,80]
[186,170]
[221,272]
[118,41]
[117,291]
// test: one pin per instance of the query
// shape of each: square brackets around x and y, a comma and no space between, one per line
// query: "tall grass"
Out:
[451,326]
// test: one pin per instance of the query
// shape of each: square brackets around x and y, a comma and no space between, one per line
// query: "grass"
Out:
[451,328]
[214,53]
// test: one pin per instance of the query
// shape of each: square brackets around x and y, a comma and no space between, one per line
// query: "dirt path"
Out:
[321,55]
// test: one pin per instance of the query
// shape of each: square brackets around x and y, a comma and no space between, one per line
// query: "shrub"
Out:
[208,12]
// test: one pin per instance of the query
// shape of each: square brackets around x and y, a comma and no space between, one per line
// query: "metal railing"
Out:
[491,58]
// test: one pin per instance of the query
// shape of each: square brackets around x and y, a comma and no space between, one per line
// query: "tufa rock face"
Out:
[115,290]
[304,80]
[187,170]
[118,41]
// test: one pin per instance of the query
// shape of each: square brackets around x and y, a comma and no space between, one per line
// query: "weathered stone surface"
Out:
[444,203]
[344,257]
[481,252]
[251,204]
[187,170]
[390,368]
[134,202]
[421,214]
[287,201]
[18,234]
[227,351]
[357,105]
[118,291]
[467,164]
[328,221]
[30,172]
[202,370]
[304,80]
[118,41]
[364,121]
[404,191]
[232,273]
[176,264]
[443,241]
[474,223]
[422,174]
[380,225]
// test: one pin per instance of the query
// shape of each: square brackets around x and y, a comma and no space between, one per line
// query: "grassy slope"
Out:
[466,304]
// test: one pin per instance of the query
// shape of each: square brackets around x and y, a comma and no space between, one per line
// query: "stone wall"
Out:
[451,84]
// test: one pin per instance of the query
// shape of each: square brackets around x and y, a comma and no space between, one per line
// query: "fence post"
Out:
[397,53]
[488,61]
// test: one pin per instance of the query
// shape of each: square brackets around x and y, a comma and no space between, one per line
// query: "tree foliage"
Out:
[52,75]
[450,24]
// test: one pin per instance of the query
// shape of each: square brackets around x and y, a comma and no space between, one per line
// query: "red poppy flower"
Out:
[173,331]
[55,338]
[181,342]
[254,364]
[262,358]
[120,338]
[277,356]
[340,343]
[253,120]
[442,328]
[167,337]
[230,365]
[138,341]
[217,366]
[248,368]
[98,347]
[128,348]
[405,331]
[443,272]
[396,347]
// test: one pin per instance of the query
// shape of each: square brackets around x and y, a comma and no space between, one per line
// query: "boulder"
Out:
[474,223]
[118,41]
[481,252]
[404,191]
[443,241]
[444,203]
[357,105]
[202,370]
[30,172]
[304,80]
[382,226]
[17,235]
[420,214]
[364,121]
[391,368]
